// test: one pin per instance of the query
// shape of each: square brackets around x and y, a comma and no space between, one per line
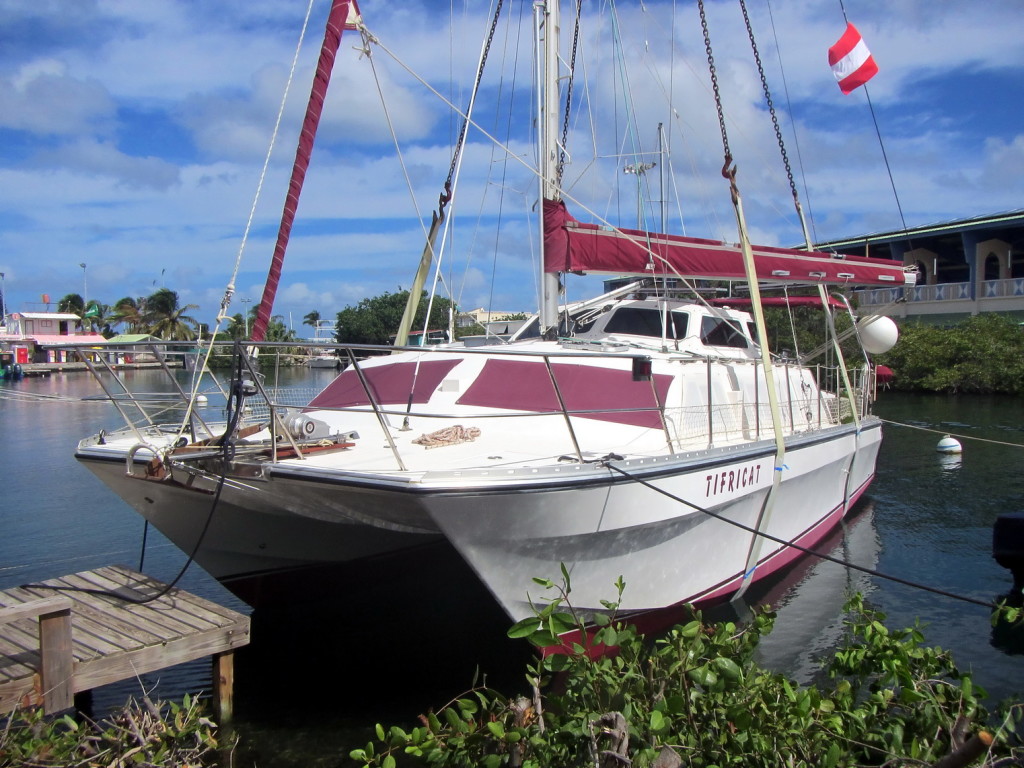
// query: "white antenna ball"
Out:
[878,333]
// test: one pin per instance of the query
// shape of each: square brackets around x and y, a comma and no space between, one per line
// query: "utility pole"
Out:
[245,315]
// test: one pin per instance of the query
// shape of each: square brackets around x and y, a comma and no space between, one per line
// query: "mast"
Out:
[337,21]
[662,152]
[547,28]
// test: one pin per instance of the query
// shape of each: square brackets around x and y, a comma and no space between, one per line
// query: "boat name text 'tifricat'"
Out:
[729,480]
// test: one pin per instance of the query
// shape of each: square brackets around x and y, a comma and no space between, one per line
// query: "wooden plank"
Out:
[16,662]
[107,617]
[173,624]
[224,687]
[23,693]
[56,665]
[126,665]
[33,609]
[116,613]
[225,613]
[89,644]
[199,606]
[102,639]
[166,610]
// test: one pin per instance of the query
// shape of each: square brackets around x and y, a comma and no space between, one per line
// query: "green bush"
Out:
[983,355]
[141,733]
[696,697]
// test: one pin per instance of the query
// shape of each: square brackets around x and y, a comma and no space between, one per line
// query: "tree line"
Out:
[981,355]
[162,315]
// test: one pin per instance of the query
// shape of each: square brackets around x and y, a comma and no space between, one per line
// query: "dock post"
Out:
[56,661]
[224,687]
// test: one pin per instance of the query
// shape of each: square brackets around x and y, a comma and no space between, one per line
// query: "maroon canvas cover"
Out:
[389,384]
[574,246]
[522,385]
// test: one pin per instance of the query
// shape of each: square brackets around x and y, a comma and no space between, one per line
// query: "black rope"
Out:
[805,550]
[227,454]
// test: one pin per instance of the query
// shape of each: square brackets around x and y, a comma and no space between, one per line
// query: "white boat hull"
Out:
[667,552]
[597,522]
[254,531]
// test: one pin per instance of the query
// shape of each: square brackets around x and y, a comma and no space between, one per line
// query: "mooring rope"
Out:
[946,432]
[805,550]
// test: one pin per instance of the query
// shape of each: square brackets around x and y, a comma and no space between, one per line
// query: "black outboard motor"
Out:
[1008,551]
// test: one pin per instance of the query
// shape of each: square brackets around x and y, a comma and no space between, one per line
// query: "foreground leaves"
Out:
[142,733]
[695,696]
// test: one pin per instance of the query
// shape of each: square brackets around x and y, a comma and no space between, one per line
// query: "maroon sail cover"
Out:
[573,246]
[337,21]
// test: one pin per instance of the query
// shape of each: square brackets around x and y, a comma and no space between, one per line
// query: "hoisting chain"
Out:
[771,106]
[728,169]
[568,96]
[446,196]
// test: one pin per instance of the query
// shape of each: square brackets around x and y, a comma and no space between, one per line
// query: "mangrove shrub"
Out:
[983,355]
[695,696]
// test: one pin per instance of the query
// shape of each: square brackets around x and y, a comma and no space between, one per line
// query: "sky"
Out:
[133,137]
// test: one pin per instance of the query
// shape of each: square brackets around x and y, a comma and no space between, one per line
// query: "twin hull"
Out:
[599,523]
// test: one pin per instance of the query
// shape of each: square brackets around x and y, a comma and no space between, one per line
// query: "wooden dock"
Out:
[55,643]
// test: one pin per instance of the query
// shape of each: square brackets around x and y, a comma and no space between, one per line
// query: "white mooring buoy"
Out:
[949,445]
[201,400]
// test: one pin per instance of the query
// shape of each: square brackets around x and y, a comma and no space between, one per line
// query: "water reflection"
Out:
[926,518]
[950,462]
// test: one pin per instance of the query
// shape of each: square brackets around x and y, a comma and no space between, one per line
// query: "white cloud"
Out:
[133,136]
[42,98]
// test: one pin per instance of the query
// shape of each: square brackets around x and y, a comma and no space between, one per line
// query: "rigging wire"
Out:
[234,414]
[456,165]
[878,133]
[504,160]
[800,548]
[792,121]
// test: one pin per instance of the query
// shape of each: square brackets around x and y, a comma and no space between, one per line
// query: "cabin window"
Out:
[715,332]
[637,321]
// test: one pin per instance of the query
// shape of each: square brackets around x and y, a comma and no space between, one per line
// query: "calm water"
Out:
[925,518]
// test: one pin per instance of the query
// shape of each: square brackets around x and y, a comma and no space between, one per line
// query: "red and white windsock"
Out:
[851,61]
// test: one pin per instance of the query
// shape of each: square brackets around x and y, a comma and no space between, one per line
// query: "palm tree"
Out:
[278,331]
[166,319]
[131,313]
[100,316]
[72,303]
[313,318]
[236,327]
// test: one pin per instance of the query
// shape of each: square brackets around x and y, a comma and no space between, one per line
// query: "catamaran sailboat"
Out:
[639,434]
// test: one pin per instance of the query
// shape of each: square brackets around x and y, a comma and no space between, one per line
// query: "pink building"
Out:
[31,337]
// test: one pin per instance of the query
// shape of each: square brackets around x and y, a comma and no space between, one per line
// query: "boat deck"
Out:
[72,634]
